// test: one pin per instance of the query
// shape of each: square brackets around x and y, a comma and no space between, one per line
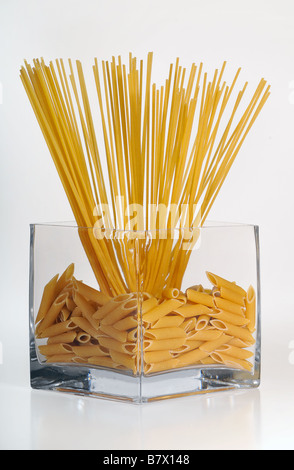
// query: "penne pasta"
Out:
[232,318]
[212,345]
[228,306]
[83,337]
[87,309]
[53,349]
[127,323]
[168,321]
[200,298]
[90,294]
[161,366]
[250,302]
[86,326]
[60,358]
[170,293]
[234,351]
[191,357]
[165,333]
[58,329]
[202,322]
[52,313]
[151,357]
[114,333]
[48,297]
[163,344]
[232,296]
[231,361]
[167,306]
[232,330]
[123,359]
[68,337]
[90,350]
[221,282]
[191,310]
[122,310]
[65,277]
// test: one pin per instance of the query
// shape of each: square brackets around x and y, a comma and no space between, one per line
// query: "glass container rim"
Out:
[207,225]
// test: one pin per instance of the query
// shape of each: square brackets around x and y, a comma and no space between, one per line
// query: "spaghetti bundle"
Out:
[165,147]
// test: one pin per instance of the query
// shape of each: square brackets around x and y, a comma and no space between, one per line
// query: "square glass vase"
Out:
[143,316]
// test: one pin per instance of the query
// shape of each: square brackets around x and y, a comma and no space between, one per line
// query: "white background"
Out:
[257,35]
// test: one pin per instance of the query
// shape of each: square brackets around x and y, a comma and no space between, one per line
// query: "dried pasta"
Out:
[176,335]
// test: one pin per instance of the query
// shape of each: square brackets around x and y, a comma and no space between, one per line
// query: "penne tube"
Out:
[79,360]
[127,323]
[52,313]
[165,333]
[193,344]
[83,337]
[208,360]
[77,312]
[48,297]
[114,333]
[161,366]
[221,282]
[123,359]
[239,343]
[250,313]
[182,298]
[64,314]
[60,358]
[202,322]
[192,310]
[70,304]
[189,324]
[87,309]
[53,349]
[232,330]
[102,361]
[180,350]
[231,361]
[210,346]
[167,306]
[148,305]
[58,329]
[85,325]
[232,296]
[133,334]
[151,357]
[170,293]
[228,306]
[168,321]
[191,357]
[90,293]
[65,277]
[113,344]
[234,351]
[68,287]
[89,350]
[104,310]
[204,335]
[232,318]
[68,337]
[162,344]
[122,310]
[200,298]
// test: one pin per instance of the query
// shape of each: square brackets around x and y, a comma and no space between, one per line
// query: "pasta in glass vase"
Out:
[200,336]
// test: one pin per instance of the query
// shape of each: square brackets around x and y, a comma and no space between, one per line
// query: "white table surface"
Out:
[260,418]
